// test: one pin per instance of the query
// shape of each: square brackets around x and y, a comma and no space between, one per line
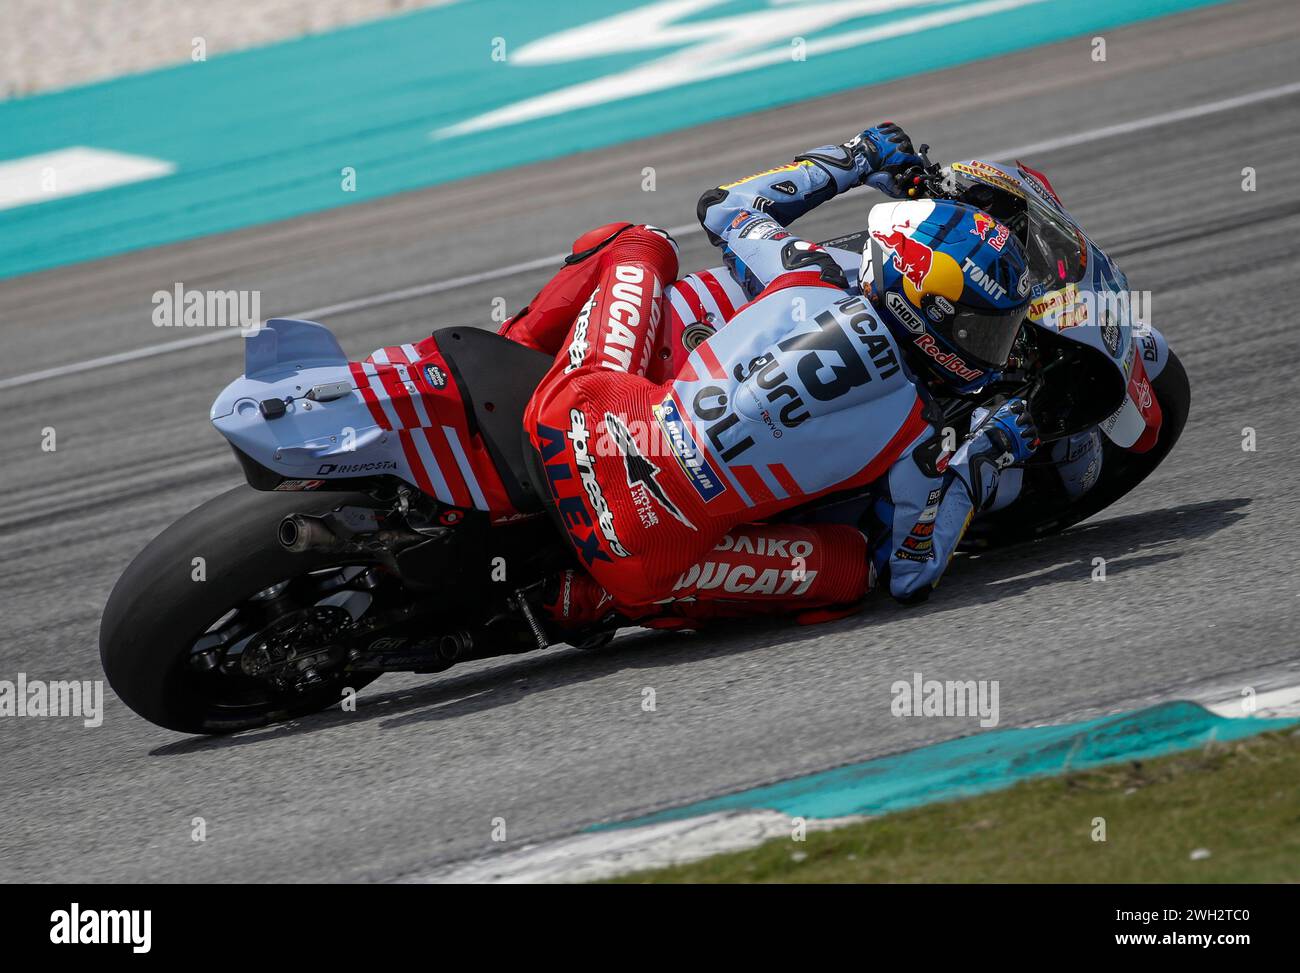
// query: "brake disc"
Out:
[292,650]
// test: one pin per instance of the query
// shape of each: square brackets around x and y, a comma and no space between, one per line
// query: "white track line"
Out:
[1272,704]
[594,855]
[1152,121]
[72,171]
[424,290]
[360,303]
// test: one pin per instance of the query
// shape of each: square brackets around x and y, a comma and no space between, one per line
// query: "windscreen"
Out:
[1058,254]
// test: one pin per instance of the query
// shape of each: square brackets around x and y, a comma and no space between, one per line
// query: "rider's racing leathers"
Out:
[663,488]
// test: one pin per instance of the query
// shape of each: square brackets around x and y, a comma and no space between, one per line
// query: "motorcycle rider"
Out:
[818,385]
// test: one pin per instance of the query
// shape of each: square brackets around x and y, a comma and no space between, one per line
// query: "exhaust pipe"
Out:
[299,533]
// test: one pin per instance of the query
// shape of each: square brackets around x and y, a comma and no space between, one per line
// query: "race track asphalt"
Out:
[1200,585]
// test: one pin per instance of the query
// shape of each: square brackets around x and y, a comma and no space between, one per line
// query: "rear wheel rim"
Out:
[215,666]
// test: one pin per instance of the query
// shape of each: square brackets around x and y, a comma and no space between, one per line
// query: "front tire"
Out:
[158,611]
[1031,518]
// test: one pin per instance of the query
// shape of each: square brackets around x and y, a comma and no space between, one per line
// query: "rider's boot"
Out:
[574,601]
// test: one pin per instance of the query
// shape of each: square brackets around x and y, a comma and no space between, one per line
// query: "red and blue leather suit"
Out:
[664,487]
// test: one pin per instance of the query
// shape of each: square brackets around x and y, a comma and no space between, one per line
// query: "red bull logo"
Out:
[990,231]
[912,258]
[947,359]
[924,270]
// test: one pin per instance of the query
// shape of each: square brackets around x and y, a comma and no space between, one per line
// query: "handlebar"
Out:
[929,179]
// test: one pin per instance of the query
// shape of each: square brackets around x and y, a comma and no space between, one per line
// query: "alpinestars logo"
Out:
[579,435]
[642,476]
[578,345]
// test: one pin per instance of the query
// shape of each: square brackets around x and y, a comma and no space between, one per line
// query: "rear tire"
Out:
[157,611]
[1121,471]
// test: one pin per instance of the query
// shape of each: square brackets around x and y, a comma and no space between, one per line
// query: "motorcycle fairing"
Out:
[397,413]
[697,305]
[1080,293]
[311,440]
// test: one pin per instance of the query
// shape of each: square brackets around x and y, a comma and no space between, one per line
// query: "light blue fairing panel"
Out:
[283,348]
[290,343]
[329,437]
[1154,351]
[1080,293]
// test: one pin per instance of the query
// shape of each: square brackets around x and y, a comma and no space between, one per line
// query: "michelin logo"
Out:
[704,478]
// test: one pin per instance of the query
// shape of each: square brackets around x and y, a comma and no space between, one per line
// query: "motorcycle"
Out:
[348,554]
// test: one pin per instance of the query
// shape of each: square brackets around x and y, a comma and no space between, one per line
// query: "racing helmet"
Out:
[951,282]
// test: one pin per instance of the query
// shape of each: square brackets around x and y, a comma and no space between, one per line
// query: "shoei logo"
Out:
[678,42]
[900,309]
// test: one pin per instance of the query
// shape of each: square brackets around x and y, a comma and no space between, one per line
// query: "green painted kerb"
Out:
[263,135]
[984,762]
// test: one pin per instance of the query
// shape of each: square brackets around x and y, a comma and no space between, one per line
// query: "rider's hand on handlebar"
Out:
[1012,433]
[890,159]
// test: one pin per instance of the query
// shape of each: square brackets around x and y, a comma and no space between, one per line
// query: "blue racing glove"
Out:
[1006,437]
[1011,434]
[889,154]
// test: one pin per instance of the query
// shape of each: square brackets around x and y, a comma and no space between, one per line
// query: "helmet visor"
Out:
[986,336]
